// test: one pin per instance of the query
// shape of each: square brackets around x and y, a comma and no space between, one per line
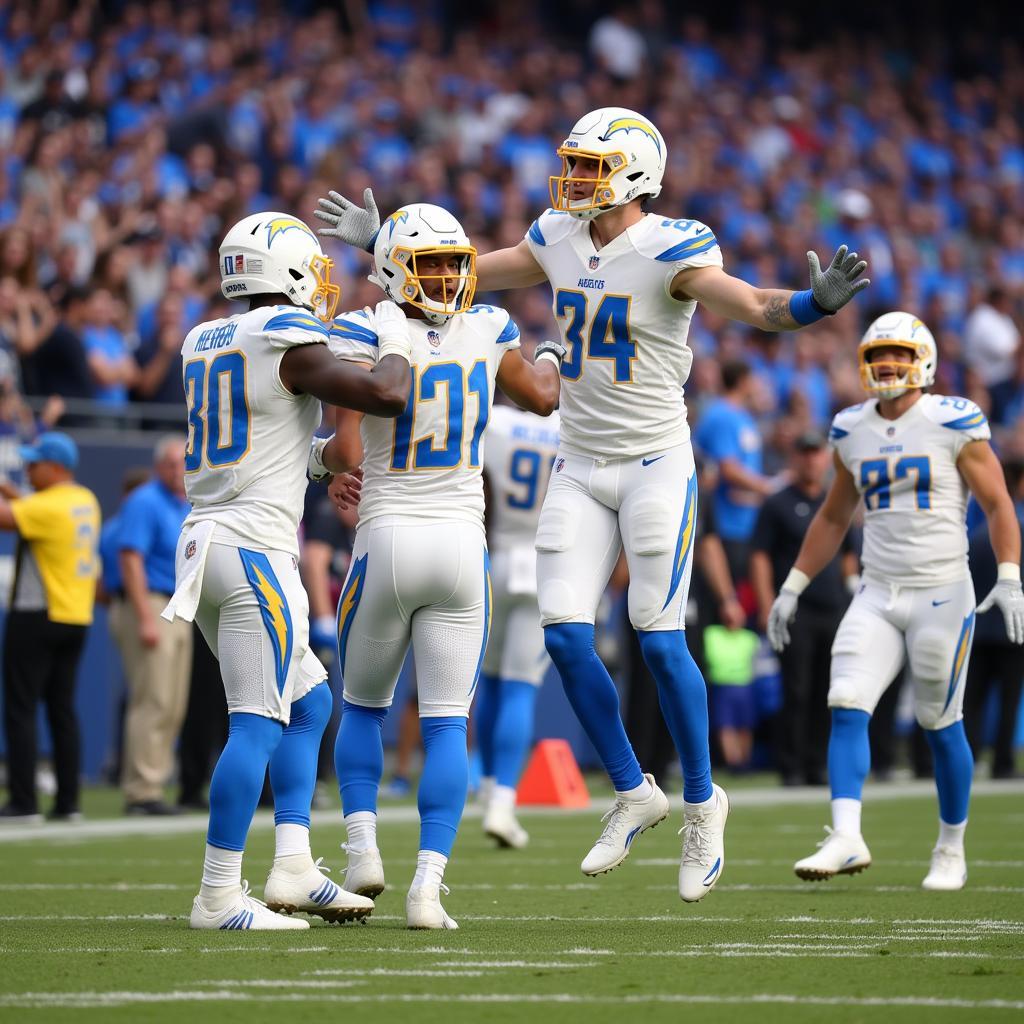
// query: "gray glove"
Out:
[1009,597]
[553,348]
[779,618]
[358,227]
[834,288]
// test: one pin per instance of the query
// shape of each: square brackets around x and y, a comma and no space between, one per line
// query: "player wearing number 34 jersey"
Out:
[625,283]
[911,457]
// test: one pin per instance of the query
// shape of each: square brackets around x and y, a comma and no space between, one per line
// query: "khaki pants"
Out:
[158,682]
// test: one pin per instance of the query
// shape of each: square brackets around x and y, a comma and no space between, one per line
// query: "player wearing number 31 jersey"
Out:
[419,571]
[625,283]
[911,457]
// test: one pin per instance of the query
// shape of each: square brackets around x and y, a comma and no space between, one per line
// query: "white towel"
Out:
[189,566]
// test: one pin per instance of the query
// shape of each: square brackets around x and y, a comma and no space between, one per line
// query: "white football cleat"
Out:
[305,889]
[500,823]
[703,857]
[246,913]
[948,871]
[625,821]
[839,853]
[365,872]
[423,909]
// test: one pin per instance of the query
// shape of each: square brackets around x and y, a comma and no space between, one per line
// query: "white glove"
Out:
[779,618]
[315,468]
[348,222]
[1008,595]
[393,338]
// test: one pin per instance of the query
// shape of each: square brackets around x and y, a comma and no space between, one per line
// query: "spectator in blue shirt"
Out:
[112,367]
[728,436]
[157,654]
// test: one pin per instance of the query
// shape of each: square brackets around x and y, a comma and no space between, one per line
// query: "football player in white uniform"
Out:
[253,385]
[912,457]
[419,567]
[521,449]
[625,284]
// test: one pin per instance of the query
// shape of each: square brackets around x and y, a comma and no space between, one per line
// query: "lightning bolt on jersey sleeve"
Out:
[353,337]
[428,462]
[915,499]
[248,435]
[627,358]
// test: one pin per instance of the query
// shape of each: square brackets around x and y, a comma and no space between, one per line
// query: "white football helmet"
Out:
[631,162]
[274,253]
[905,331]
[405,238]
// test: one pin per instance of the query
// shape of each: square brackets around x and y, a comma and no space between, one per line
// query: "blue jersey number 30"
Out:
[218,413]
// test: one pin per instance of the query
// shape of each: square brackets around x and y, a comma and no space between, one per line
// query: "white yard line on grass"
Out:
[752,798]
[50,1000]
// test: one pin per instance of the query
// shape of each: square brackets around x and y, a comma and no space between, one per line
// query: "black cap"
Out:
[809,441]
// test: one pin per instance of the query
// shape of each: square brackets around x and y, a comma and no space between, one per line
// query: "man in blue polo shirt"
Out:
[728,437]
[157,654]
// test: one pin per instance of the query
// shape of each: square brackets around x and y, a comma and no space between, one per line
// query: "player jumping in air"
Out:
[912,457]
[253,384]
[625,283]
[419,570]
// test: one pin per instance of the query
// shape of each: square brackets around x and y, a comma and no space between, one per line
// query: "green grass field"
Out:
[94,926]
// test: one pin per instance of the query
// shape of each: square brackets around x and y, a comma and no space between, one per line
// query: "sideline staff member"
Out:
[51,609]
[157,654]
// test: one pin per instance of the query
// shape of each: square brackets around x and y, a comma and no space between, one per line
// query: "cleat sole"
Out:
[335,916]
[818,875]
[369,891]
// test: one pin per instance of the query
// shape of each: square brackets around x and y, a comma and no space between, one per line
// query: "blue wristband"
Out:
[804,309]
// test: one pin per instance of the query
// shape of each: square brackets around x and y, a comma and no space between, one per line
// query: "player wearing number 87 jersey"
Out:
[625,283]
[912,457]
[253,384]
[419,569]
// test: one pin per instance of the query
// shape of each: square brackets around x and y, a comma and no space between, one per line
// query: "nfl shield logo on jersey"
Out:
[559,465]
[190,549]
[593,262]
[434,338]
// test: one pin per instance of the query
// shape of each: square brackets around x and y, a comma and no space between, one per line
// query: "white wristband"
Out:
[796,582]
[1009,571]
[551,358]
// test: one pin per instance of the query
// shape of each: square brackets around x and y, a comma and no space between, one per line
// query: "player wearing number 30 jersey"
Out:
[253,383]
[911,457]
[625,283]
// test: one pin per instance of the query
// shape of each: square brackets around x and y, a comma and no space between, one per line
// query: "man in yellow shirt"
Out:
[50,612]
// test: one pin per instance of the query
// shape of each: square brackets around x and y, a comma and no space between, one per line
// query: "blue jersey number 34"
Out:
[607,334]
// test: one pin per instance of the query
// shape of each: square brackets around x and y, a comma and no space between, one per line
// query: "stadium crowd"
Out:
[132,135]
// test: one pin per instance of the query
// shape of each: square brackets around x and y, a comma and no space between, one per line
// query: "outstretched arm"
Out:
[508,268]
[980,469]
[358,226]
[313,370]
[533,386]
[775,309]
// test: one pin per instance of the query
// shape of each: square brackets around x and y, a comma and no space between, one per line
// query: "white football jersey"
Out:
[428,461]
[914,496]
[627,361]
[521,447]
[248,435]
